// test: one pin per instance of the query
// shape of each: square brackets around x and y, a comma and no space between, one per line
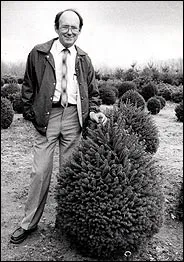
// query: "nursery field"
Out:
[46,244]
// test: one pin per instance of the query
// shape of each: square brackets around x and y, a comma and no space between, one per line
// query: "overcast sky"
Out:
[115,33]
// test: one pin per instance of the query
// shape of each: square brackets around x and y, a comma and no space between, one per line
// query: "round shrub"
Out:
[166,78]
[178,79]
[124,87]
[130,75]
[17,103]
[6,78]
[113,87]
[177,94]
[141,81]
[7,113]
[134,97]
[153,105]
[108,197]
[101,83]
[107,95]
[109,84]
[9,89]
[165,91]
[141,123]
[162,101]
[148,90]
[179,111]
[9,79]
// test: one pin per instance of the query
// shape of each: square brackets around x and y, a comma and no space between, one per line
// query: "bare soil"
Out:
[45,244]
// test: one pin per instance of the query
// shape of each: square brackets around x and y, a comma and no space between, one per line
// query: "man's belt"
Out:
[58,104]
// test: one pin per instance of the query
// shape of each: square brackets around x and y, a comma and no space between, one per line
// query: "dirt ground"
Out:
[45,244]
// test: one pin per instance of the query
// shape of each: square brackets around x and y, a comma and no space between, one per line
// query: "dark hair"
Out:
[69,9]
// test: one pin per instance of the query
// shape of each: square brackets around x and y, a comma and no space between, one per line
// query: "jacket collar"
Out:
[45,47]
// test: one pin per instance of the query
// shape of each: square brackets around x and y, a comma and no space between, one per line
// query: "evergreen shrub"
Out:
[165,91]
[140,122]
[109,84]
[107,95]
[166,78]
[130,74]
[177,94]
[153,105]
[7,113]
[9,79]
[141,81]
[149,90]
[124,87]
[9,89]
[134,97]
[179,111]
[178,79]
[162,101]
[108,197]
[17,103]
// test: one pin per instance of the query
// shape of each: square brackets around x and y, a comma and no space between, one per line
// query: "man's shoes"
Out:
[20,234]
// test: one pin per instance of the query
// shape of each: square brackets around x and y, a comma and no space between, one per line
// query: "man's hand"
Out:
[98,117]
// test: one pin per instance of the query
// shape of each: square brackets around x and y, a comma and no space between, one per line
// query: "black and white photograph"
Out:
[91,130]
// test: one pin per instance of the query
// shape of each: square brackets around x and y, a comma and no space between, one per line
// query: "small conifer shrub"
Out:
[109,84]
[108,197]
[124,87]
[134,97]
[162,101]
[140,122]
[9,89]
[17,103]
[177,94]
[7,113]
[153,105]
[148,90]
[179,111]
[107,95]
[165,90]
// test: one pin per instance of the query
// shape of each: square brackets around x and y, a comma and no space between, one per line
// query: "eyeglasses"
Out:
[65,29]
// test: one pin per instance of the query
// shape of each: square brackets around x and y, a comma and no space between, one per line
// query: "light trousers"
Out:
[63,126]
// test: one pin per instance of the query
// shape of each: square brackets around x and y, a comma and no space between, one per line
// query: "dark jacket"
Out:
[40,80]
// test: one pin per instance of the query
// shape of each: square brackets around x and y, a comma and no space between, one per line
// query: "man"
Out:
[59,95]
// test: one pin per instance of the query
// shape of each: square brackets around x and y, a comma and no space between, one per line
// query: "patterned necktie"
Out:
[64,97]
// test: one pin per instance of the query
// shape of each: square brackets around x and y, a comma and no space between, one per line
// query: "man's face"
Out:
[68,28]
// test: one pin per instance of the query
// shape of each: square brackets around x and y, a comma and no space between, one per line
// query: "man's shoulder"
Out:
[80,51]
[45,46]
[83,54]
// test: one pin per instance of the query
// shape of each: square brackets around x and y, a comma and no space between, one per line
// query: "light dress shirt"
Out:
[72,84]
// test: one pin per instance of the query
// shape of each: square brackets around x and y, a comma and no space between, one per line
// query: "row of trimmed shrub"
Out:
[169,92]
[9,79]
[148,73]
[149,96]
[109,94]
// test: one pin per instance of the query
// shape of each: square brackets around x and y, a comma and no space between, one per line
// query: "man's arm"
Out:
[28,90]
[94,98]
